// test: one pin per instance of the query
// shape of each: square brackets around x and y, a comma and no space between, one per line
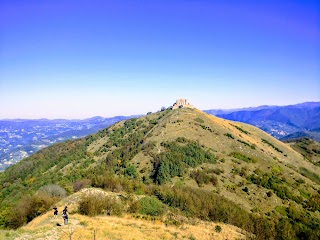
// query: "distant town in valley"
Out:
[21,138]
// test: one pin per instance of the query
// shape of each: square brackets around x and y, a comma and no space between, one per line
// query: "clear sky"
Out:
[78,59]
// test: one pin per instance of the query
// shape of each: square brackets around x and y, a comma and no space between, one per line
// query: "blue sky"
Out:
[78,59]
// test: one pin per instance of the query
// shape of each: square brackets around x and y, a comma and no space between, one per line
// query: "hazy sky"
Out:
[77,59]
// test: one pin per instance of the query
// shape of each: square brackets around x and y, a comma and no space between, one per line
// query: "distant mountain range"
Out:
[282,122]
[20,138]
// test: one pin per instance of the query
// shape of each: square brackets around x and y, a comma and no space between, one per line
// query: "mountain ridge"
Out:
[280,121]
[15,144]
[178,151]
[309,104]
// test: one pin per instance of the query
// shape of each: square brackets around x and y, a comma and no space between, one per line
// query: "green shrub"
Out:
[204,205]
[245,189]
[148,206]
[131,171]
[218,228]
[271,145]
[200,120]
[229,135]
[241,129]
[252,146]
[243,157]
[175,160]
[4,216]
[308,174]
[191,237]
[279,186]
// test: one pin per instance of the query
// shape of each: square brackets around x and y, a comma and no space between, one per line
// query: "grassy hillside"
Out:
[200,165]
[117,227]
[309,149]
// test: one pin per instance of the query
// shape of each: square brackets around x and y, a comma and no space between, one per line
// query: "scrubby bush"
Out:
[204,205]
[97,203]
[92,204]
[311,175]
[218,228]
[114,183]
[243,157]
[175,160]
[182,140]
[204,177]
[241,129]
[53,190]
[28,208]
[279,186]
[271,145]
[252,146]
[269,193]
[131,172]
[78,185]
[313,203]
[229,135]
[245,189]
[217,171]
[113,207]
[200,177]
[108,182]
[300,181]
[200,120]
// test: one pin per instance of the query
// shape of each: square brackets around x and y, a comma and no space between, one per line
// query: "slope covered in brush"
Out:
[179,156]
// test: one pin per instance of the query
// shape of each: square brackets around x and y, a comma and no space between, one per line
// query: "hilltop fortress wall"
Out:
[181,103]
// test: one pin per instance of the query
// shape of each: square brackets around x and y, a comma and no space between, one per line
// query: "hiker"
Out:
[55,212]
[65,215]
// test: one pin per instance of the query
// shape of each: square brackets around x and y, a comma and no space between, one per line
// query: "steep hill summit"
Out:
[197,164]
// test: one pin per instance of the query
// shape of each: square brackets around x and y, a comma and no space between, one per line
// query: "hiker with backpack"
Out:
[65,215]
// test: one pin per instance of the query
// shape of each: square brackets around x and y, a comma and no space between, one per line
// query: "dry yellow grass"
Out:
[124,228]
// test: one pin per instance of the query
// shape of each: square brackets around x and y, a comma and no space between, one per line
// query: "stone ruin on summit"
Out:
[181,103]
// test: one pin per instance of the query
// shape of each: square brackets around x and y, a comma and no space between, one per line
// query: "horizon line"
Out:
[137,115]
